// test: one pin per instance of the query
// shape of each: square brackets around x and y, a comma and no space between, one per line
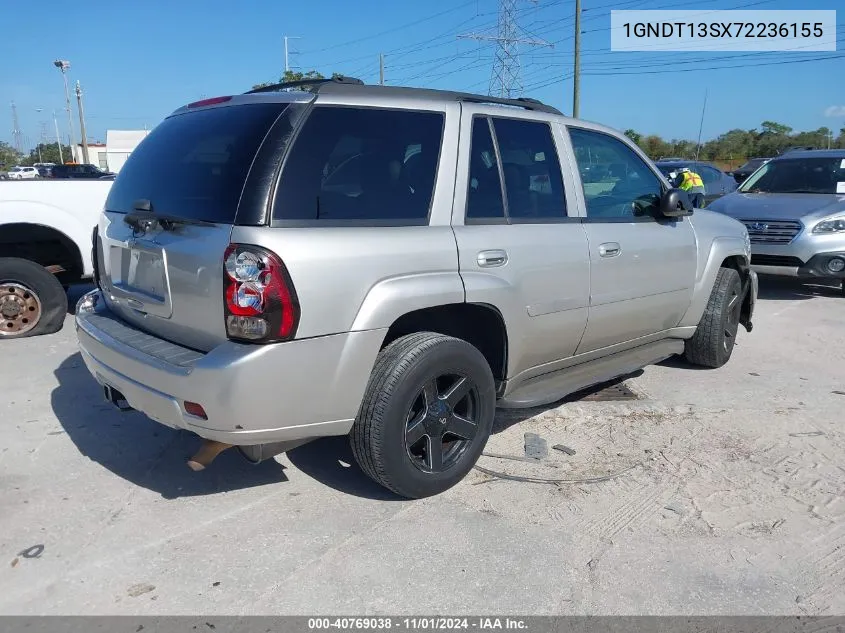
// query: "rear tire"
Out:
[715,337]
[426,415]
[32,301]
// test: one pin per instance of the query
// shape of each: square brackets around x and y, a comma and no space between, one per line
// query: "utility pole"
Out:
[58,138]
[288,51]
[506,80]
[82,123]
[576,75]
[64,66]
[16,130]
[381,69]
[43,138]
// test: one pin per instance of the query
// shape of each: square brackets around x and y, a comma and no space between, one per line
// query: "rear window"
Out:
[361,164]
[194,165]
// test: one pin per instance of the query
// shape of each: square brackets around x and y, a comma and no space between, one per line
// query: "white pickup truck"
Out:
[45,245]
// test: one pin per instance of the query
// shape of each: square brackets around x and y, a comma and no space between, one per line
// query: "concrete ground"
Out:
[730,500]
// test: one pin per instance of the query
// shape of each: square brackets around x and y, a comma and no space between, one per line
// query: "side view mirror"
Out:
[675,203]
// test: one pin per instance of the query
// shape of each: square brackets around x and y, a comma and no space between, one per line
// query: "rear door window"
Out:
[194,165]
[484,195]
[531,170]
[361,164]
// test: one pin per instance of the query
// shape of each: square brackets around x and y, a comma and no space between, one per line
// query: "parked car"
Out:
[45,246]
[23,173]
[741,173]
[78,171]
[794,209]
[716,182]
[394,296]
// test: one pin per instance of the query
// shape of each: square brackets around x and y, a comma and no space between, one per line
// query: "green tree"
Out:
[682,148]
[655,146]
[9,157]
[49,154]
[633,135]
[291,75]
[771,127]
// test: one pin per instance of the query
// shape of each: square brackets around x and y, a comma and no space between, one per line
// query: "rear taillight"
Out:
[261,304]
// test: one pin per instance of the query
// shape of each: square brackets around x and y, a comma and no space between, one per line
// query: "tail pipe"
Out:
[255,454]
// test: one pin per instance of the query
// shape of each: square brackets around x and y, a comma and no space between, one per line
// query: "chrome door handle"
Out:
[489,259]
[609,249]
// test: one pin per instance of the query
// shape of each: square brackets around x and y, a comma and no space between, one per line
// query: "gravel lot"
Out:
[730,500]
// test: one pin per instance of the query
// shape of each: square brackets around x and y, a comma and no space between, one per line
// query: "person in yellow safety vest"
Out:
[692,183]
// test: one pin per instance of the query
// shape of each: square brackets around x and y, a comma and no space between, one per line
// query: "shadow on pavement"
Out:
[790,289]
[329,460]
[142,451]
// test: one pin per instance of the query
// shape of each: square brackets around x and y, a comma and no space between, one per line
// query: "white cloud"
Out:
[835,111]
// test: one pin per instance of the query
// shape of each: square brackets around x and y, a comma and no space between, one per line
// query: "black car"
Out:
[716,182]
[740,174]
[90,172]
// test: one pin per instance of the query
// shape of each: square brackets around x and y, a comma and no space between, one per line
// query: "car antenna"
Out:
[701,126]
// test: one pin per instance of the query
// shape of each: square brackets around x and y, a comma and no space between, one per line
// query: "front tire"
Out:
[426,415]
[32,301]
[715,337]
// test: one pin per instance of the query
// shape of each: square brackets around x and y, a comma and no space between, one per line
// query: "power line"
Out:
[551,82]
[391,30]
[505,79]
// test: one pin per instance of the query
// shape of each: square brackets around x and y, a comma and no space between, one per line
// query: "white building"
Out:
[113,153]
[96,155]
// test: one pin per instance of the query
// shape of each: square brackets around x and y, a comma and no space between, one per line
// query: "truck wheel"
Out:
[32,301]
[715,337]
[426,415]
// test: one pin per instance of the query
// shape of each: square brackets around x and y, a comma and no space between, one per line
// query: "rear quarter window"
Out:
[194,165]
[370,165]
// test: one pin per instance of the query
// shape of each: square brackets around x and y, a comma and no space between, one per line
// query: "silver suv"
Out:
[392,264]
[794,209]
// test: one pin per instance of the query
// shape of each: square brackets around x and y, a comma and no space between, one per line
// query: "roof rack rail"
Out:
[316,83]
[520,102]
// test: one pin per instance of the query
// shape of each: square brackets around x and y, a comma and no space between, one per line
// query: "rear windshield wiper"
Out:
[144,218]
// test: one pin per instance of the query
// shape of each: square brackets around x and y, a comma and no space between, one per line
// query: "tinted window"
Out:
[708,174]
[617,182]
[533,182]
[361,164]
[798,175]
[753,164]
[194,165]
[484,193]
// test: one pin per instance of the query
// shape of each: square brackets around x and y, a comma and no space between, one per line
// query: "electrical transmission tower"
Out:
[506,79]
[16,130]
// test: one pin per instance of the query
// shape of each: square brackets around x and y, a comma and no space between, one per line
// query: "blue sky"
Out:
[138,61]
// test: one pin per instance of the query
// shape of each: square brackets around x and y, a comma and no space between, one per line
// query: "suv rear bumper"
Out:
[252,394]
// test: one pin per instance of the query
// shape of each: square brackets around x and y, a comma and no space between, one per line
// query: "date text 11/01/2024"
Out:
[412,624]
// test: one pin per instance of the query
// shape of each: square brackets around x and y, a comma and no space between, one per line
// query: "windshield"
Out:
[752,164]
[821,175]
